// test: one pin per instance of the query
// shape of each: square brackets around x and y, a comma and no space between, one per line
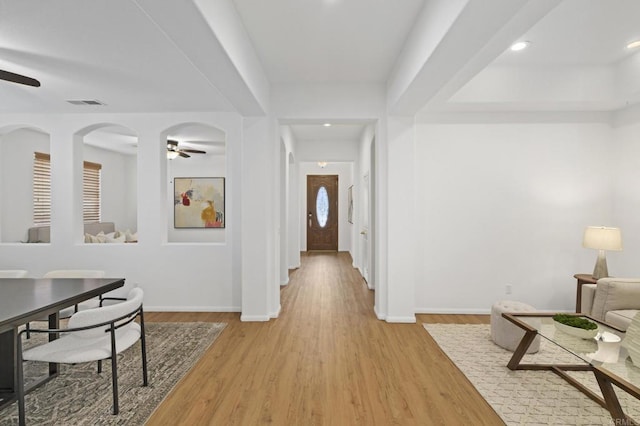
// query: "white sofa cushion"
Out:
[614,294]
[621,318]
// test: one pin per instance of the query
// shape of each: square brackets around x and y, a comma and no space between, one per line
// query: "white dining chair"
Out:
[13,273]
[92,335]
[77,273]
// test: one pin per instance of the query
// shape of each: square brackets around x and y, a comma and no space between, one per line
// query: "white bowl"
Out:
[575,331]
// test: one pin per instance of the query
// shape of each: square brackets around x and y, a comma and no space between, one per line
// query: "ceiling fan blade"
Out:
[193,151]
[17,78]
[182,154]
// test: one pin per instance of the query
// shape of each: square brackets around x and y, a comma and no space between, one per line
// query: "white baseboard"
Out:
[254,318]
[380,316]
[277,314]
[402,320]
[192,308]
[285,283]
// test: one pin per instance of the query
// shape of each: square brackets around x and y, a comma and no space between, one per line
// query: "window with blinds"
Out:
[91,192]
[42,190]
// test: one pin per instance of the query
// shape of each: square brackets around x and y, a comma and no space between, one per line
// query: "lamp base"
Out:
[601,271]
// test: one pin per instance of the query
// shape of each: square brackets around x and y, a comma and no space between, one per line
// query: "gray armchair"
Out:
[612,300]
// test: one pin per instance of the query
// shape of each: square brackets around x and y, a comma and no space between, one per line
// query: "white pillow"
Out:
[88,238]
[130,237]
[101,237]
[119,239]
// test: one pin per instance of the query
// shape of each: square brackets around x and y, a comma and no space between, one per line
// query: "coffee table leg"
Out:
[524,344]
[610,398]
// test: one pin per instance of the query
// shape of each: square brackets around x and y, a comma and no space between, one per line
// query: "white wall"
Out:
[175,276]
[363,203]
[345,179]
[500,204]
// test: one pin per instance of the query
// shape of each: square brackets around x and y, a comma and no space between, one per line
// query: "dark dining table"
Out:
[23,300]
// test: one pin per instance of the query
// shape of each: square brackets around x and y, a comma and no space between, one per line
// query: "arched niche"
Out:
[196,171]
[109,151]
[18,143]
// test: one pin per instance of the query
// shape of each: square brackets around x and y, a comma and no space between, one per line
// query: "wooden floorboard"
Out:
[327,360]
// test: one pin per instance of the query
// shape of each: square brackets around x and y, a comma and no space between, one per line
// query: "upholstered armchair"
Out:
[612,300]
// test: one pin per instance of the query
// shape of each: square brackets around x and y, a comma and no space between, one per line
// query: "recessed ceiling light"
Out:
[327,124]
[520,45]
[633,44]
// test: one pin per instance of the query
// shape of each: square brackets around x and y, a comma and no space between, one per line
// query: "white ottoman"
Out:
[506,334]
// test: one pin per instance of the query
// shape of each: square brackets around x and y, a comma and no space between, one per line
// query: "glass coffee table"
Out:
[604,355]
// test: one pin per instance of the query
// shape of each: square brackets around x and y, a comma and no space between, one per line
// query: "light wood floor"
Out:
[326,360]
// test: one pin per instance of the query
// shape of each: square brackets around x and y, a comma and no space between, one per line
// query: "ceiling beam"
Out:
[451,42]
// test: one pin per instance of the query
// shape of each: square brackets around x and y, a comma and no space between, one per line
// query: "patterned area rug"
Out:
[80,396]
[524,397]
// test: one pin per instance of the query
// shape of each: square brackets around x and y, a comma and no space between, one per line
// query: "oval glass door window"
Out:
[322,206]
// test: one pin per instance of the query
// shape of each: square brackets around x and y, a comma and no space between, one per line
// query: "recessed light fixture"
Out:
[520,45]
[633,44]
[327,124]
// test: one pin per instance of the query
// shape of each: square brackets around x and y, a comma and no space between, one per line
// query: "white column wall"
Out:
[257,203]
[401,217]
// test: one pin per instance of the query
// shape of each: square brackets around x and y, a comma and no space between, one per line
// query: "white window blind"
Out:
[42,190]
[91,192]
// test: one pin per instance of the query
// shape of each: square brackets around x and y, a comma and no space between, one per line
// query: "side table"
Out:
[582,279]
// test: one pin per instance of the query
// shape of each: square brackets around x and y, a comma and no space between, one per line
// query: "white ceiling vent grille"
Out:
[85,102]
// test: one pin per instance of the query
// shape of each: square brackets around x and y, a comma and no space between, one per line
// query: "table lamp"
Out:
[602,238]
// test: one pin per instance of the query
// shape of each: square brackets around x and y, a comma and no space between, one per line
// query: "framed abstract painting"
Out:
[198,202]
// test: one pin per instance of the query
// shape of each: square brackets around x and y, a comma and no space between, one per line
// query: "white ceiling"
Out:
[343,41]
[580,32]
[153,56]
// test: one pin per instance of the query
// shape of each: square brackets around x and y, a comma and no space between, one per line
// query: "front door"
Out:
[322,212]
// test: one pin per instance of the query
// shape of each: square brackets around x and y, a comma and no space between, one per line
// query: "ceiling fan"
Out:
[174,151]
[18,78]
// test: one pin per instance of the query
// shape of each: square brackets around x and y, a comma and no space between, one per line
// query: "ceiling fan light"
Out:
[633,44]
[172,154]
[521,45]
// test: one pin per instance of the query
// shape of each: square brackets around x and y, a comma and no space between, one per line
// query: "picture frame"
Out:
[199,202]
[350,204]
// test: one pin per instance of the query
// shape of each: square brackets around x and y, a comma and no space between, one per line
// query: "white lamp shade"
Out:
[602,238]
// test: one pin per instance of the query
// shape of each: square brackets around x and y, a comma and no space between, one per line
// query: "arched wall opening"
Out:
[18,145]
[106,152]
[195,183]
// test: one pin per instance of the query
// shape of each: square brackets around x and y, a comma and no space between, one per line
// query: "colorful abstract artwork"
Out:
[198,202]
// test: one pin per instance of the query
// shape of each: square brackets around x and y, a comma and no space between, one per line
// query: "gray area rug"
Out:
[80,396]
[524,397]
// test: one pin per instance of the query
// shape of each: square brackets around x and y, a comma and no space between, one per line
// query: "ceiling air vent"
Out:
[85,102]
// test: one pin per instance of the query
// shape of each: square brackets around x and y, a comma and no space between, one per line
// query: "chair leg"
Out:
[20,380]
[114,370]
[143,345]
[99,366]
[28,331]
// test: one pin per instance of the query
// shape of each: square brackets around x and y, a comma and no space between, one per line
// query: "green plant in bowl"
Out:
[574,321]
[575,326]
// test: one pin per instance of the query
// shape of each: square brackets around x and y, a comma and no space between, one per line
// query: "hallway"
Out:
[327,360]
